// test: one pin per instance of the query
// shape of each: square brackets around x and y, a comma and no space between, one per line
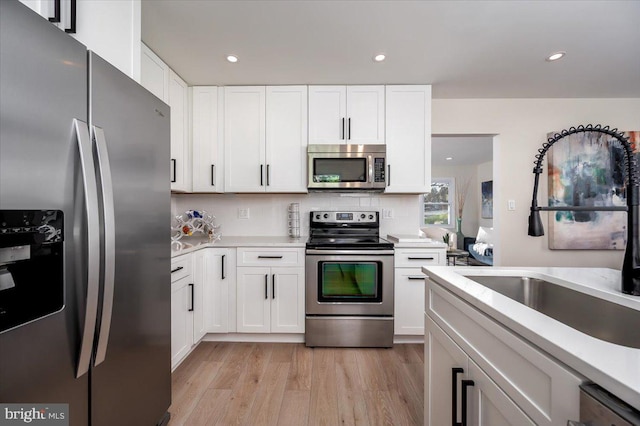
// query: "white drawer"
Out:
[180,267]
[270,256]
[414,258]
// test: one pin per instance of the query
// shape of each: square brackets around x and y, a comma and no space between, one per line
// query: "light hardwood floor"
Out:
[223,383]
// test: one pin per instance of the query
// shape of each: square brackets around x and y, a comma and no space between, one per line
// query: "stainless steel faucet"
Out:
[631,263]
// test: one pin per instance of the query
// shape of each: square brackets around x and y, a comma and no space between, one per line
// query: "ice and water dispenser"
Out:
[31,265]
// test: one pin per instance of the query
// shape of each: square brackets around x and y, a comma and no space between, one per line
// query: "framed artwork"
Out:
[588,169]
[487,199]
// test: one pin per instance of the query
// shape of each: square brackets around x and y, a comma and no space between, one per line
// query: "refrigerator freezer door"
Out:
[43,88]
[135,375]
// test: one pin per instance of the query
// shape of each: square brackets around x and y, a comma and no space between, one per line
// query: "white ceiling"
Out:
[466,49]
[463,150]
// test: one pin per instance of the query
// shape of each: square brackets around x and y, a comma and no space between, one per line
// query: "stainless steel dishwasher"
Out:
[599,408]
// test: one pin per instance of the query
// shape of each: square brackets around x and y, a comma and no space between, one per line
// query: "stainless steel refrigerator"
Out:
[84,215]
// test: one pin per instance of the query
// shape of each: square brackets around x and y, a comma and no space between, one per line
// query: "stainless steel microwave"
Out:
[347,167]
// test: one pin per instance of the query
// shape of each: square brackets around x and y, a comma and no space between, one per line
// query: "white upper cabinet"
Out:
[265,138]
[111,29]
[346,114]
[408,138]
[180,163]
[244,138]
[154,74]
[208,150]
[286,140]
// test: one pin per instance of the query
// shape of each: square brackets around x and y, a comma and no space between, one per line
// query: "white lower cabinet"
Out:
[182,288]
[270,298]
[214,279]
[409,287]
[476,365]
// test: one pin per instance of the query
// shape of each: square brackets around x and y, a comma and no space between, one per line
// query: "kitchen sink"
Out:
[596,317]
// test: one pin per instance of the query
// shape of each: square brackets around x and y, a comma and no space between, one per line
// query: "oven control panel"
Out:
[345,217]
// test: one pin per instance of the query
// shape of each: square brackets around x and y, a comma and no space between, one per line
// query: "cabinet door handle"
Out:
[261,174]
[269,257]
[342,129]
[416,278]
[72,28]
[388,174]
[173,162]
[223,262]
[56,12]
[177,269]
[266,284]
[273,286]
[420,258]
[349,128]
[213,175]
[267,175]
[454,395]
[465,385]
[192,296]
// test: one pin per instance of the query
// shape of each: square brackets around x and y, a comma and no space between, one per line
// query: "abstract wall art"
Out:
[588,169]
[487,199]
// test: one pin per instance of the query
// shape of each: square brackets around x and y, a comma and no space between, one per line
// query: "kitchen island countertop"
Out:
[614,367]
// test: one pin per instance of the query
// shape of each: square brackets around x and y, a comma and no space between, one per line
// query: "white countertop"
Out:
[614,367]
[188,245]
[414,241]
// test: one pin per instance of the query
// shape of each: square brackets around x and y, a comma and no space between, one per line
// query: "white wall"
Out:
[521,126]
[268,212]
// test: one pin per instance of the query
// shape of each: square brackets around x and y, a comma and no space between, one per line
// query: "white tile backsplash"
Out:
[269,211]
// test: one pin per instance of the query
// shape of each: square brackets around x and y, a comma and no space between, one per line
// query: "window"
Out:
[438,205]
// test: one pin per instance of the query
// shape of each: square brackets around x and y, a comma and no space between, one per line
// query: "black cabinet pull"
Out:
[454,395]
[388,175]
[416,278]
[420,258]
[192,297]
[269,257]
[273,286]
[261,174]
[72,28]
[349,128]
[177,269]
[342,129]
[173,162]
[56,12]
[213,174]
[223,261]
[465,385]
[266,284]
[267,175]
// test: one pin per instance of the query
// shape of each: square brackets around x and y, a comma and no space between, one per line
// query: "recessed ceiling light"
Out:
[232,58]
[449,158]
[555,56]
[379,57]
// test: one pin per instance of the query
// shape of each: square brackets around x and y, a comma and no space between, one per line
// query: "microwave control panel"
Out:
[378,170]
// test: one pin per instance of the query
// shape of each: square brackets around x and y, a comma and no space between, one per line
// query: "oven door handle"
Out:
[349,252]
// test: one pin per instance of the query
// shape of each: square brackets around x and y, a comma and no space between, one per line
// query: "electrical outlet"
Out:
[387,213]
[243,213]
[511,205]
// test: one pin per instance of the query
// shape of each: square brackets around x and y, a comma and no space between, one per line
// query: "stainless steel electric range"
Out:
[349,281]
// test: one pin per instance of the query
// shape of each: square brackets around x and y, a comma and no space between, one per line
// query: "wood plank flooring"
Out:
[223,383]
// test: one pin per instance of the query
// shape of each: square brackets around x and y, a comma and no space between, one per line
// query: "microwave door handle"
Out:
[370,162]
[93,245]
[104,169]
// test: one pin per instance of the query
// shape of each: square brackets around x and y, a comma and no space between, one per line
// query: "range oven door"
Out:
[349,282]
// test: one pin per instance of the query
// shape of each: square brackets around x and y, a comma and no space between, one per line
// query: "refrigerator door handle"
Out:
[93,244]
[104,169]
